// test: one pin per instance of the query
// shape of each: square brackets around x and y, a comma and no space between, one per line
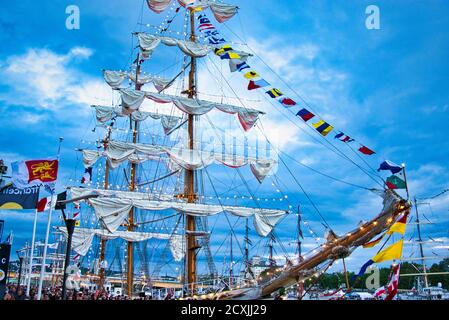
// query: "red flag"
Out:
[287,102]
[44,204]
[43,170]
[34,172]
[366,151]
[394,283]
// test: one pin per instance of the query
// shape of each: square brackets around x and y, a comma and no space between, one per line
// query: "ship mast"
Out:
[189,183]
[421,251]
[300,285]
[104,241]
[247,262]
[132,187]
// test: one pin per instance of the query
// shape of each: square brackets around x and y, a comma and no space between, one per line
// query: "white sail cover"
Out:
[84,192]
[149,42]
[119,152]
[132,99]
[107,113]
[221,11]
[158,82]
[83,238]
[116,78]
[112,212]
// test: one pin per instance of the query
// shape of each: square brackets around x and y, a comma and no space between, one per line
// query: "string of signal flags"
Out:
[237,62]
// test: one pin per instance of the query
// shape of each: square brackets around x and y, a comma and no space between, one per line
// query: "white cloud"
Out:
[45,79]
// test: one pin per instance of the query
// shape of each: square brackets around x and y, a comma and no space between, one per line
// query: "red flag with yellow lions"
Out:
[34,172]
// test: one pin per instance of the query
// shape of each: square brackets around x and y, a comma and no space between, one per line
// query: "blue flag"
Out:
[388,165]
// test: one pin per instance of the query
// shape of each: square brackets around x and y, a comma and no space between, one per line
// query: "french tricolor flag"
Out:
[46,203]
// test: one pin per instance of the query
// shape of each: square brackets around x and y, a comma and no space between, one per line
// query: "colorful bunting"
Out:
[251,75]
[343,137]
[323,127]
[238,63]
[305,114]
[287,102]
[257,84]
[230,55]
[275,93]
[388,165]
[367,151]
[222,50]
[242,66]
[394,182]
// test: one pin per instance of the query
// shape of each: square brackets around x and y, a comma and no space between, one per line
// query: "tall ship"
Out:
[183,170]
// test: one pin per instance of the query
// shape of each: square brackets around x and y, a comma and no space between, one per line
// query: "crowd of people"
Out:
[15,292]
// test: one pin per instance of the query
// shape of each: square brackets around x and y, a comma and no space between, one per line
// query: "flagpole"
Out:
[47,235]
[30,268]
[405,180]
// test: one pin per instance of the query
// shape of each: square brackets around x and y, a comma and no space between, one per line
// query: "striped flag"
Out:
[305,114]
[323,127]
[343,137]
[394,283]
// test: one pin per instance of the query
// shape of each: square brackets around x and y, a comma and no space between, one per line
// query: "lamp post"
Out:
[20,270]
[70,225]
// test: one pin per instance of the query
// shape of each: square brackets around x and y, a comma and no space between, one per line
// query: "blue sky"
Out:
[387,88]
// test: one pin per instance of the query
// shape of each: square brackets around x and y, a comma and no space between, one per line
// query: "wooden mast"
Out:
[132,187]
[102,273]
[189,182]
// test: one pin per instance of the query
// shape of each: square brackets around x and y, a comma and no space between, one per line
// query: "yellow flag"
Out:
[78,223]
[392,252]
[233,55]
[318,124]
[223,50]
[251,75]
[399,226]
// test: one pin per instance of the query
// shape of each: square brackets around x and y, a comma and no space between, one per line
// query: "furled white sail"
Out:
[115,79]
[149,42]
[112,212]
[158,5]
[85,192]
[222,11]
[119,152]
[107,113]
[132,99]
[83,238]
